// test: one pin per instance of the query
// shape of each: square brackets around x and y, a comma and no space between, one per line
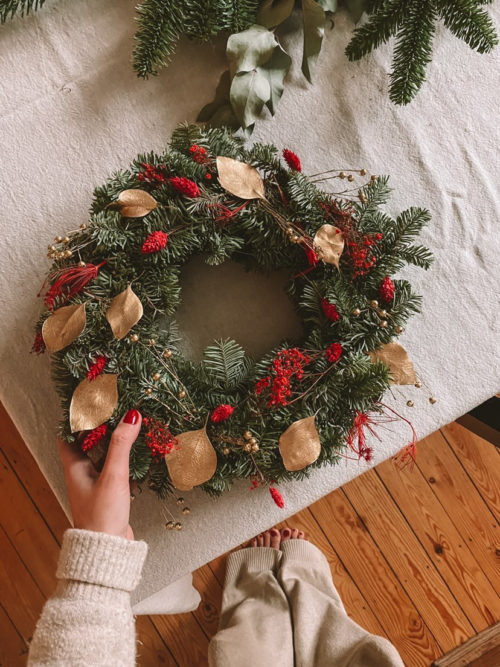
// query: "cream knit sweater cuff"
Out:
[102,559]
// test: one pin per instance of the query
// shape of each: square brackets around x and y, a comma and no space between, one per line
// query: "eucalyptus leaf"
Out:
[249,92]
[313,17]
[249,49]
[356,8]
[275,70]
[329,5]
[273,12]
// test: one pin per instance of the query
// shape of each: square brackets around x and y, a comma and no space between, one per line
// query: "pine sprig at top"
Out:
[114,287]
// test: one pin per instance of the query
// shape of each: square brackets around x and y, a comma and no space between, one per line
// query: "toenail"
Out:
[274,532]
[286,532]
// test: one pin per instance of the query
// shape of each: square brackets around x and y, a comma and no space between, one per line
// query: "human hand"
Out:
[101,501]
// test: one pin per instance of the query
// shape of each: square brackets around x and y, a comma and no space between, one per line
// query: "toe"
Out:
[253,542]
[275,538]
[260,540]
[267,539]
[285,534]
[294,534]
[301,535]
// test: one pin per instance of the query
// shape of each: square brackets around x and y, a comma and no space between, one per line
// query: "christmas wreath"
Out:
[113,290]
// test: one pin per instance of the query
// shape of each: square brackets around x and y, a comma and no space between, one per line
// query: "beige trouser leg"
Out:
[255,627]
[323,634]
[281,609]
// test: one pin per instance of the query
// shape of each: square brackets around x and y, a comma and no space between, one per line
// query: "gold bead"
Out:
[81,263]
[178,526]
[182,394]
[58,239]
[52,248]
[373,177]
[382,323]
[180,501]
[167,354]
[83,226]
[255,448]
[356,312]
[342,174]
[410,404]
[68,253]
[247,435]
[148,391]
[418,385]
[362,197]
[294,238]
[374,303]
[383,313]
[65,239]
[252,441]
[186,510]
[289,231]
[247,447]
[152,342]
[362,172]
[134,338]
[398,329]
[432,400]
[156,377]
[226,451]
[350,178]
[170,525]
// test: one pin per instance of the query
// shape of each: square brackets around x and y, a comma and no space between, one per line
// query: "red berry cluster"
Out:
[333,353]
[199,154]
[286,366]
[386,290]
[277,497]
[96,367]
[157,437]
[185,186]
[330,310]
[154,243]
[38,346]
[94,437]
[292,160]
[151,174]
[221,413]
[359,251]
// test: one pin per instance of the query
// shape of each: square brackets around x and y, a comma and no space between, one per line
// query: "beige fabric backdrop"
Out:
[72,111]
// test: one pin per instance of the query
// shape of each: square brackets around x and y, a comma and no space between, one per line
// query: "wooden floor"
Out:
[414,554]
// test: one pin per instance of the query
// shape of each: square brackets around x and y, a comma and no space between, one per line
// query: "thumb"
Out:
[124,436]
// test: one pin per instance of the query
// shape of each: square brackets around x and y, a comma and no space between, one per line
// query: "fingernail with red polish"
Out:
[132,417]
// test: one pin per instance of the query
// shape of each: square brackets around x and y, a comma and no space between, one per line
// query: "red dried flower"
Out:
[330,310]
[334,352]
[221,413]
[68,282]
[386,290]
[94,437]
[158,437]
[292,160]
[356,438]
[38,346]
[312,257]
[277,497]
[154,243]
[151,174]
[96,367]
[286,366]
[185,186]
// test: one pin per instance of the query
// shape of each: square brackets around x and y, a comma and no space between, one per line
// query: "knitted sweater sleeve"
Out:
[88,620]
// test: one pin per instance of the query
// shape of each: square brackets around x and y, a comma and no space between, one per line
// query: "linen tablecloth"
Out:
[72,111]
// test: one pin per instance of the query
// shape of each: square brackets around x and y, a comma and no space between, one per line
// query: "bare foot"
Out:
[292,534]
[270,538]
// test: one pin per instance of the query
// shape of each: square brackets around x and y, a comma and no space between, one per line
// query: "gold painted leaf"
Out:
[124,311]
[63,326]
[93,402]
[135,203]
[300,444]
[328,244]
[400,365]
[193,461]
[240,178]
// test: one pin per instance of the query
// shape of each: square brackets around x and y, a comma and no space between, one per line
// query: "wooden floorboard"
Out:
[414,553]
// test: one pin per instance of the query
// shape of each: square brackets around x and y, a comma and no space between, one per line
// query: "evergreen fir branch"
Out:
[160,28]
[468,21]
[384,23]
[224,362]
[413,51]
[9,8]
